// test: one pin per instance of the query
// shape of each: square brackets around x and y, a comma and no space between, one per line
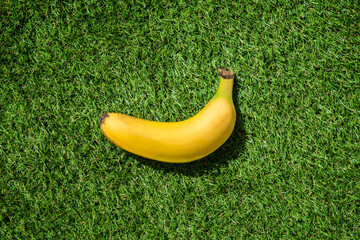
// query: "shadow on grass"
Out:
[229,151]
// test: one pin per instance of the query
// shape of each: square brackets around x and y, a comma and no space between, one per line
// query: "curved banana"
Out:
[177,142]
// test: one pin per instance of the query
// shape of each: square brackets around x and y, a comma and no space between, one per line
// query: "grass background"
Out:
[290,170]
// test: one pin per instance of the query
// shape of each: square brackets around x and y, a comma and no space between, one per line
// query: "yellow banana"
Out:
[177,142]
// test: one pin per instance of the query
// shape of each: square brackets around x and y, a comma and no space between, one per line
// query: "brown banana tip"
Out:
[226,74]
[103,117]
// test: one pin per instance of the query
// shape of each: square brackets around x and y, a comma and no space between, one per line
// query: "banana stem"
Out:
[226,83]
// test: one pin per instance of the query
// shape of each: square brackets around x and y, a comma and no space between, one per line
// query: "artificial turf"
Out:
[290,170]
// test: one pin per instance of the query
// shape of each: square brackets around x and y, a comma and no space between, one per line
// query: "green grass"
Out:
[290,170]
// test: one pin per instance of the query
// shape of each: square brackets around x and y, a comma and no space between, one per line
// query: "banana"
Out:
[177,142]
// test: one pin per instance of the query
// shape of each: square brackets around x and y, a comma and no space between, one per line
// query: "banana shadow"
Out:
[212,163]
